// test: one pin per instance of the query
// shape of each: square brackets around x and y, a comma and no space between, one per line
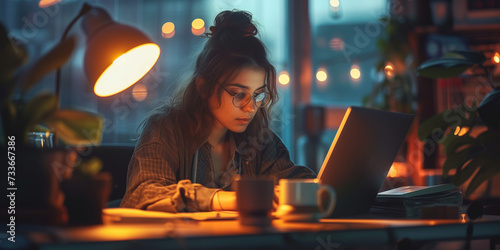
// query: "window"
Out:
[40,29]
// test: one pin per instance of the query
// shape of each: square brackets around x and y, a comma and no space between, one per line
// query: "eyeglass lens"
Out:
[242,99]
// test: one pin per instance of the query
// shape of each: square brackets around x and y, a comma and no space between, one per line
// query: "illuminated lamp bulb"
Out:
[47,3]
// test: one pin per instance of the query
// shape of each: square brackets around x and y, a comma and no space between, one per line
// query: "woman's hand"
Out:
[224,200]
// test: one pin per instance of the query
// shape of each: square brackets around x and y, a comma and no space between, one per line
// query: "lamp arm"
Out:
[85,8]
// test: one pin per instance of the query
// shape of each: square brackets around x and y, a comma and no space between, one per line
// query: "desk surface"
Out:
[326,234]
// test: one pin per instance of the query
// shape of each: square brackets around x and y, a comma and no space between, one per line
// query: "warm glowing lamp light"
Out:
[495,58]
[127,69]
[117,55]
[47,3]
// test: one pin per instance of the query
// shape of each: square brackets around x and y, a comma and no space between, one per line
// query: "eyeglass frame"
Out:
[252,96]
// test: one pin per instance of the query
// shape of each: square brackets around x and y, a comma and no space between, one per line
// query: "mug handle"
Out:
[331,198]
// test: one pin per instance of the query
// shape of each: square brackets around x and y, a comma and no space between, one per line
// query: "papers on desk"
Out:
[131,215]
[408,201]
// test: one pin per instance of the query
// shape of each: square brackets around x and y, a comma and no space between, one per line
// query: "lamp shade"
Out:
[117,55]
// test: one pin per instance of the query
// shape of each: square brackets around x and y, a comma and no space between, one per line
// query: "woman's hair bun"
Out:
[237,22]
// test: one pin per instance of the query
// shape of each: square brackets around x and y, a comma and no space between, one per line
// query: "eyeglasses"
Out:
[241,99]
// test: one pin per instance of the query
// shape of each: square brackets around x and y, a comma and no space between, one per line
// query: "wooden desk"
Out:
[229,234]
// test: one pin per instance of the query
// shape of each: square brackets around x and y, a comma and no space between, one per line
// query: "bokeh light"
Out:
[495,58]
[321,75]
[283,78]
[168,30]
[334,3]
[140,92]
[389,70]
[460,131]
[198,23]
[169,35]
[355,73]
[198,32]
[336,43]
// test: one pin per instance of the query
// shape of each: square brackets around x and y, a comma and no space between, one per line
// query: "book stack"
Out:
[413,202]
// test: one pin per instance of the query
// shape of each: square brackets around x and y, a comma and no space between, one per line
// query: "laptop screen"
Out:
[361,155]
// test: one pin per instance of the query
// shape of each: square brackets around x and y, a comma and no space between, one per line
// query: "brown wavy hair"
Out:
[232,45]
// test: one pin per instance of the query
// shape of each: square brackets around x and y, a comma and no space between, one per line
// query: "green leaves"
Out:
[35,110]
[476,159]
[489,168]
[52,60]
[18,118]
[73,127]
[76,127]
[451,64]
[462,116]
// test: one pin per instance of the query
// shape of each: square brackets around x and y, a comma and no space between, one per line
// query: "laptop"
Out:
[360,157]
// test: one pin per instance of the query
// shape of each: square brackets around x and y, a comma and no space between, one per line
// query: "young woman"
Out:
[192,149]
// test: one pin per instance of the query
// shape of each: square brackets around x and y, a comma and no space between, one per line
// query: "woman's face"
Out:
[249,79]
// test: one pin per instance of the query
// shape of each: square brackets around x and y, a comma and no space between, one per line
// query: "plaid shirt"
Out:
[164,176]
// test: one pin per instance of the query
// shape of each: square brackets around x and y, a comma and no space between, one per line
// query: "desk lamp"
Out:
[116,56]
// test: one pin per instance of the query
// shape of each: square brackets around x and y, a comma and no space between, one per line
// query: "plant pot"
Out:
[85,197]
[33,192]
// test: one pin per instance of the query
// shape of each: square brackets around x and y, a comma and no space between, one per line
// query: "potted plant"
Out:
[37,173]
[475,158]
[87,192]
[20,116]
[396,91]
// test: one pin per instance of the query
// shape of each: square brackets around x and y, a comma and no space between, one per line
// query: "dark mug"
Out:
[254,198]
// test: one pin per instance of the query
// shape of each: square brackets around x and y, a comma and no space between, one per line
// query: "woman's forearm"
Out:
[224,200]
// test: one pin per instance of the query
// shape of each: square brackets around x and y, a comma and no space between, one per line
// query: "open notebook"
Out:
[132,215]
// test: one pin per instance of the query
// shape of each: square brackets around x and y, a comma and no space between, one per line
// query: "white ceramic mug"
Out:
[301,200]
